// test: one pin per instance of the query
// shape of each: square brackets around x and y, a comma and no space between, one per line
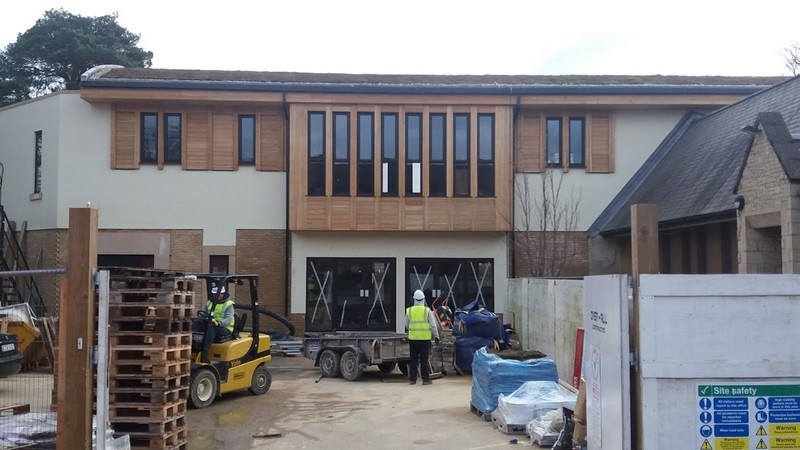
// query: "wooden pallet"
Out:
[149,354]
[138,427]
[15,409]
[148,370]
[483,415]
[146,310]
[155,340]
[139,395]
[174,440]
[151,383]
[150,296]
[145,411]
[150,324]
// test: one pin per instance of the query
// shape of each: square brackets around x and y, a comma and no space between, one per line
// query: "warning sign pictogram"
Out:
[707,445]
[761,444]
[761,431]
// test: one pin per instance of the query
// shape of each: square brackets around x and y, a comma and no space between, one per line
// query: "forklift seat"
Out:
[239,325]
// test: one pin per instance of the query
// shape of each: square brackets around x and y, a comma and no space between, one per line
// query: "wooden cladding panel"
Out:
[437,214]
[414,214]
[316,213]
[530,156]
[463,214]
[223,142]
[124,154]
[365,213]
[486,216]
[341,211]
[388,214]
[601,154]
[271,148]
[197,141]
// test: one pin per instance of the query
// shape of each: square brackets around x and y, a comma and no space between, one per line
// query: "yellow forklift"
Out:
[236,361]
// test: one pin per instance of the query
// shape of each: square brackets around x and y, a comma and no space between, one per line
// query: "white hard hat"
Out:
[218,290]
[419,295]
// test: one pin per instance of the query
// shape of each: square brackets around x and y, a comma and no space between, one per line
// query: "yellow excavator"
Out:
[236,361]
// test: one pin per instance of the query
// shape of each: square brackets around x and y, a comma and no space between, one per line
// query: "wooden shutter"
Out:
[224,149]
[124,154]
[530,148]
[198,141]
[600,143]
[270,146]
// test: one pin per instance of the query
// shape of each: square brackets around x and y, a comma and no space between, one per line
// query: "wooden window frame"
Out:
[165,117]
[142,129]
[365,168]
[341,156]
[408,187]
[437,166]
[239,144]
[460,164]
[493,150]
[582,163]
[323,156]
[392,189]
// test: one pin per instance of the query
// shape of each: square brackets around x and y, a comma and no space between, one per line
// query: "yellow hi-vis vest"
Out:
[419,329]
[219,312]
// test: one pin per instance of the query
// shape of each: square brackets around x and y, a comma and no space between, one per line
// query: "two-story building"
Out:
[344,192]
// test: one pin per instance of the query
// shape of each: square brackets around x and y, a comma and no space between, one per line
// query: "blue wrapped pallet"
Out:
[493,375]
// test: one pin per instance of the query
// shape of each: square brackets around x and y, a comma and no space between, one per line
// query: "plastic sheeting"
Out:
[533,399]
[493,376]
[39,429]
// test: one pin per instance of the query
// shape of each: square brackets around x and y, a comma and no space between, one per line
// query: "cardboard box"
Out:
[579,433]
[580,404]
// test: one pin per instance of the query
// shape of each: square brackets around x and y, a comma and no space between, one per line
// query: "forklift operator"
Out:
[223,319]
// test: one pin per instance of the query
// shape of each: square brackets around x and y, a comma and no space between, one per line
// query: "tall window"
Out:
[389,151]
[219,264]
[414,154]
[576,142]
[247,139]
[172,138]
[149,138]
[366,151]
[437,182]
[316,153]
[461,173]
[553,142]
[485,155]
[341,154]
[37,162]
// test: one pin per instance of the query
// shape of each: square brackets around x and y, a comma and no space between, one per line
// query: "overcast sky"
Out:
[638,37]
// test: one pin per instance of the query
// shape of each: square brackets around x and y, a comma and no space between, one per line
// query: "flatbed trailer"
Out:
[348,353]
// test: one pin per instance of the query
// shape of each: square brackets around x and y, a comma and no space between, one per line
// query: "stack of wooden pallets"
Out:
[150,341]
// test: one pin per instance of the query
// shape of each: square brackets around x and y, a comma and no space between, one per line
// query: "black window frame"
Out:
[145,138]
[389,164]
[462,184]
[582,143]
[341,165]
[37,162]
[243,161]
[437,167]
[557,146]
[486,168]
[170,138]
[409,163]
[316,174]
[365,167]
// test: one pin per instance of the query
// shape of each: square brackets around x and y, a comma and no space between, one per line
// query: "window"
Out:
[316,153]
[414,154]
[485,155]
[389,151]
[37,162]
[172,138]
[149,153]
[461,174]
[553,142]
[437,183]
[247,139]
[366,151]
[577,144]
[341,154]
[219,264]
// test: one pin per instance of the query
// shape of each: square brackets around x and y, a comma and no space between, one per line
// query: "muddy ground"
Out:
[380,411]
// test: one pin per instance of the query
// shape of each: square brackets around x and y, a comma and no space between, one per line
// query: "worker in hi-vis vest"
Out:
[422,327]
[222,321]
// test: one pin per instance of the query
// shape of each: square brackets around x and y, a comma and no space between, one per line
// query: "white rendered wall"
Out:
[399,246]
[636,136]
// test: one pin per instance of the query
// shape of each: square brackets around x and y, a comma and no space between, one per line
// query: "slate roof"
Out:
[115,76]
[693,174]
[786,147]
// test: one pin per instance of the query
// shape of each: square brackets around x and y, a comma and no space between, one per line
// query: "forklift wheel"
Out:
[204,388]
[262,380]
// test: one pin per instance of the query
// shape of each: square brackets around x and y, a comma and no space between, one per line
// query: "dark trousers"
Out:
[213,333]
[419,352]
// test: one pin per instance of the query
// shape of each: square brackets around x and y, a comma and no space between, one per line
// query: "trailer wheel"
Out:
[387,367]
[403,366]
[329,364]
[351,367]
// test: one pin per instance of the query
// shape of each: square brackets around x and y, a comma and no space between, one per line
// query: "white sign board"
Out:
[607,368]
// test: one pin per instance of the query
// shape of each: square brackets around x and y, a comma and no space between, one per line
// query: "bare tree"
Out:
[791,55]
[547,217]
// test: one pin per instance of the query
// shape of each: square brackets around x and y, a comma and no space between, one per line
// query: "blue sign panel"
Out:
[784,403]
[730,404]
[784,416]
[731,430]
[730,417]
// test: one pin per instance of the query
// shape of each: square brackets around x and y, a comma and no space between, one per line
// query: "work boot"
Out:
[412,381]
[427,382]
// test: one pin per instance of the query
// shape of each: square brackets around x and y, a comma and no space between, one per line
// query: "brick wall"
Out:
[263,252]
[53,244]
[186,250]
[575,245]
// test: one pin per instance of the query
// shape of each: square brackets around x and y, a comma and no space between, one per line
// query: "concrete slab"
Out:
[379,411]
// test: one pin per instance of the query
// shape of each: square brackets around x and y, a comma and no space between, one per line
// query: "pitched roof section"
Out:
[695,176]
[493,84]
[785,147]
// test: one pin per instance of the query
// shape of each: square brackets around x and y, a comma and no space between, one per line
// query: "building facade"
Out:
[345,193]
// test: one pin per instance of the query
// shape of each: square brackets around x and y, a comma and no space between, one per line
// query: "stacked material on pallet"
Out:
[443,354]
[286,347]
[150,313]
